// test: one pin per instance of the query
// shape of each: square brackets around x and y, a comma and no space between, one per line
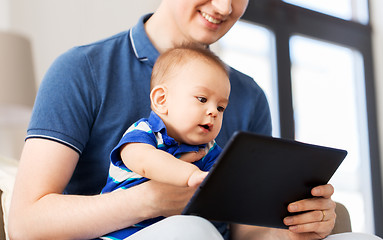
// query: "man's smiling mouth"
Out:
[210,18]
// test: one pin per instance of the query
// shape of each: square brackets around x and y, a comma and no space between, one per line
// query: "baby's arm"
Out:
[160,166]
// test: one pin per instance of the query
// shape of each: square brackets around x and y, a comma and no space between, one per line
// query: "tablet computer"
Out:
[256,177]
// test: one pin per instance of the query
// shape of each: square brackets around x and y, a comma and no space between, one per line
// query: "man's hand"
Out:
[166,200]
[318,221]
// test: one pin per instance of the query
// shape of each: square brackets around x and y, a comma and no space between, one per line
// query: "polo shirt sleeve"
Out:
[261,124]
[139,132]
[250,103]
[67,102]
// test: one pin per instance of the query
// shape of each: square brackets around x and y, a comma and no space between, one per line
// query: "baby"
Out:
[190,90]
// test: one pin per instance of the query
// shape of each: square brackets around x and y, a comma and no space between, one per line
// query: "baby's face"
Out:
[198,95]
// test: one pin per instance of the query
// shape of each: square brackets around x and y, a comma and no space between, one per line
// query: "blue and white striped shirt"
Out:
[151,131]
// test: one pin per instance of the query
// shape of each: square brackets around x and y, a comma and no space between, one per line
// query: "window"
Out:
[356,10]
[238,50]
[330,109]
[315,68]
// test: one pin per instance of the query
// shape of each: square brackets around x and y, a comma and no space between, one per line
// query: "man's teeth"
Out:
[210,18]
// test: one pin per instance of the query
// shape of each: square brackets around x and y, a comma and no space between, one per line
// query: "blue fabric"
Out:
[155,126]
[150,131]
[91,94]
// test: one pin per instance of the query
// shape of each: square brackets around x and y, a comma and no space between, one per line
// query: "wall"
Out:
[57,25]
[4,14]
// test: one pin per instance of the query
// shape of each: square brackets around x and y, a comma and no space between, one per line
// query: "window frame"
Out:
[286,20]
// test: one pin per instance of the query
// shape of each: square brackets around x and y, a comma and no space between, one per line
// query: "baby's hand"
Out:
[193,156]
[196,178]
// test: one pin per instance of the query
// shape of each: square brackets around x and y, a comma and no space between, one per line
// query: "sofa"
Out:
[8,169]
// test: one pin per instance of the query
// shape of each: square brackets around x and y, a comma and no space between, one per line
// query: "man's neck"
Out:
[162,30]
[157,33]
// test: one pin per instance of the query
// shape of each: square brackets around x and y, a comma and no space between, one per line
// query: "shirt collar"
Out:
[142,46]
[158,125]
[156,122]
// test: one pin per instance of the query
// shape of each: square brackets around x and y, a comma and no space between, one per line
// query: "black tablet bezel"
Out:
[256,177]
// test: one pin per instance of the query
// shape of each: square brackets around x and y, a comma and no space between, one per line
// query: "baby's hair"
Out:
[174,58]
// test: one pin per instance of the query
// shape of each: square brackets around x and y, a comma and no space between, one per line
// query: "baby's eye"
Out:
[220,109]
[202,99]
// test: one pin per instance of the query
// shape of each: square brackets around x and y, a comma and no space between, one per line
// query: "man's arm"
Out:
[310,225]
[161,166]
[39,210]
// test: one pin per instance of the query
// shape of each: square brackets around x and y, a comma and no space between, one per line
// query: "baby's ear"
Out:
[158,99]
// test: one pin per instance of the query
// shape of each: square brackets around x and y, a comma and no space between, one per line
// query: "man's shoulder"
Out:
[94,51]
[111,43]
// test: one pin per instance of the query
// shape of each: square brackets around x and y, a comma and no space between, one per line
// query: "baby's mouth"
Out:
[205,126]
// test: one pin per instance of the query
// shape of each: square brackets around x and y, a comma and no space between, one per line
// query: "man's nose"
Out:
[222,7]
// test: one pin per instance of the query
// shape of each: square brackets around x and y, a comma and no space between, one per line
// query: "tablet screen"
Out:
[256,177]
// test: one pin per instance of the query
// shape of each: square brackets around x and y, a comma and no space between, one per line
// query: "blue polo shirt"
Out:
[150,131]
[91,94]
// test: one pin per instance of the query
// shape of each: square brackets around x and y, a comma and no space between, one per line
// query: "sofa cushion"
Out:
[8,169]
